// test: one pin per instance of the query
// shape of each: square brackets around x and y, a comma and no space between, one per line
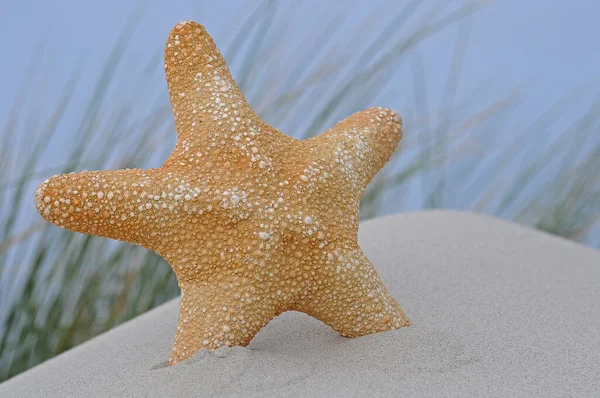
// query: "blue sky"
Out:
[545,48]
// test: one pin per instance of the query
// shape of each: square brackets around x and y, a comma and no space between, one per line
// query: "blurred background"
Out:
[499,99]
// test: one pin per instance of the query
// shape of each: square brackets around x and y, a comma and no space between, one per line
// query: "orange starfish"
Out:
[252,221]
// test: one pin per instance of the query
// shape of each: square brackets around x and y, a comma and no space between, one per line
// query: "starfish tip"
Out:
[44,197]
[185,26]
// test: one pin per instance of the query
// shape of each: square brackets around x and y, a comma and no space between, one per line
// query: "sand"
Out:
[496,310]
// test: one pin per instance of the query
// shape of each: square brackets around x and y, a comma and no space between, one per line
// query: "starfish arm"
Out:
[127,205]
[218,314]
[361,144]
[351,297]
[206,100]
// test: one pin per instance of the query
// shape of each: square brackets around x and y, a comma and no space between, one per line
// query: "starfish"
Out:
[252,221]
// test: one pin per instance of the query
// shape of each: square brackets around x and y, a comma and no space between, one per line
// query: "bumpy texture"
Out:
[252,221]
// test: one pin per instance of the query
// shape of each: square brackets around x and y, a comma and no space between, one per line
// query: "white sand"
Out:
[497,310]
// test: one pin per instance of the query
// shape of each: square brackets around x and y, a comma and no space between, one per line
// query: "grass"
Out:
[58,289]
